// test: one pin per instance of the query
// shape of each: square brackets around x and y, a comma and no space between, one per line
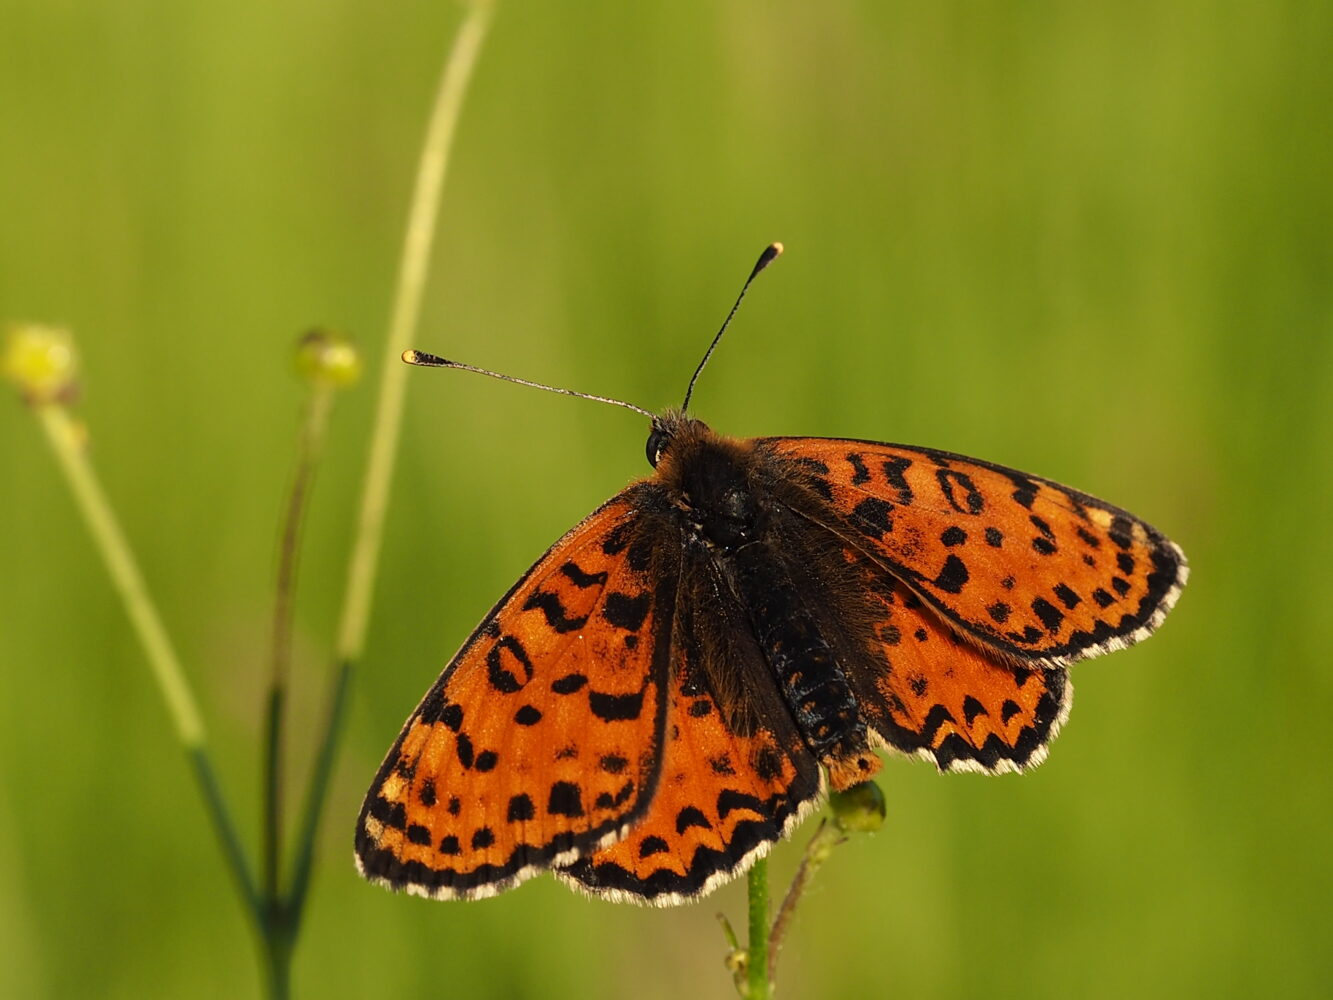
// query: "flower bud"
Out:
[327,358]
[859,809]
[41,361]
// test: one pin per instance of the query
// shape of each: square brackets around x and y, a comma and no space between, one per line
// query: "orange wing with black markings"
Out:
[726,792]
[1035,571]
[926,691]
[540,740]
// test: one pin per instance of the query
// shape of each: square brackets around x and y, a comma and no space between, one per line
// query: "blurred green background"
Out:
[1092,241]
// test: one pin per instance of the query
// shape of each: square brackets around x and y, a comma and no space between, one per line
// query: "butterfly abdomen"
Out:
[726,515]
[813,682]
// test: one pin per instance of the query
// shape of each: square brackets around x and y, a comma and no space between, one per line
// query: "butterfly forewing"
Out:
[541,739]
[1029,568]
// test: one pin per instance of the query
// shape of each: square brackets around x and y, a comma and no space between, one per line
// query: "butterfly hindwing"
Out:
[1033,570]
[540,740]
[921,687]
[932,693]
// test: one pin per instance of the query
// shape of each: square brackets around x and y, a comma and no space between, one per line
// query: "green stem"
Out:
[759,986]
[319,783]
[432,167]
[309,446]
[278,936]
[66,438]
[821,845]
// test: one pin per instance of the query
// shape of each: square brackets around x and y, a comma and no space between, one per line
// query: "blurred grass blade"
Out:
[432,168]
[66,439]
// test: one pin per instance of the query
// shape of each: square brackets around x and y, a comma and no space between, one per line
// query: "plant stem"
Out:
[66,438]
[309,446]
[414,264]
[432,167]
[319,783]
[759,985]
[278,936]
[817,851]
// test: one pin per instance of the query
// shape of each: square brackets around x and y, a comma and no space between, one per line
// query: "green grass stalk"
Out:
[67,442]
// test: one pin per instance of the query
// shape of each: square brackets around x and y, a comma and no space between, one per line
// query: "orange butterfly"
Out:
[666,692]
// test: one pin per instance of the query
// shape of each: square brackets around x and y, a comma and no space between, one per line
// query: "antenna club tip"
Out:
[770,254]
[427,360]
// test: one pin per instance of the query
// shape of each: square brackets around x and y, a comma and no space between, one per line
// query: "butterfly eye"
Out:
[657,441]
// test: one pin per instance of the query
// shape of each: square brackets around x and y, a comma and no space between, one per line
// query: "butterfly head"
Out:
[667,427]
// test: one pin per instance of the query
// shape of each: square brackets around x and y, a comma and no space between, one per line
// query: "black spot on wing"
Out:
[568,684]
[952,536]
[565,800]
[626,611]
[615,707]
[895,474]
[860,474]
[959,490]
[528,715]
[651,846]
[1025,490]
[1066,596]
[427,793]
[463,745]
[952,575]
[581,579]
[617,538]
[1050,615]
[873,516]
[691,816]
[549,604]
[729,799]
[451,716]
[502,659]
[1122,532]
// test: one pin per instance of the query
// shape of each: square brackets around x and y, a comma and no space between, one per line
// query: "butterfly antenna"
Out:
[770,254]
[431,361]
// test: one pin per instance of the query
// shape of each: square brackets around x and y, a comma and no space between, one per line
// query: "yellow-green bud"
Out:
[327,358]
[860,809]
[41,361]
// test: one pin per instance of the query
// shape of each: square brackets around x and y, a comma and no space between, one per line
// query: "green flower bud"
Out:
[860,809]
[327,358]
[41,361]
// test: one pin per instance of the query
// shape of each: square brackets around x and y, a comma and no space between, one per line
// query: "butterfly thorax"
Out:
[708,479]
[735,540]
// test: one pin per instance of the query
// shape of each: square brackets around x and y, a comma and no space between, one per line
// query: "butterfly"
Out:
[680,679]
